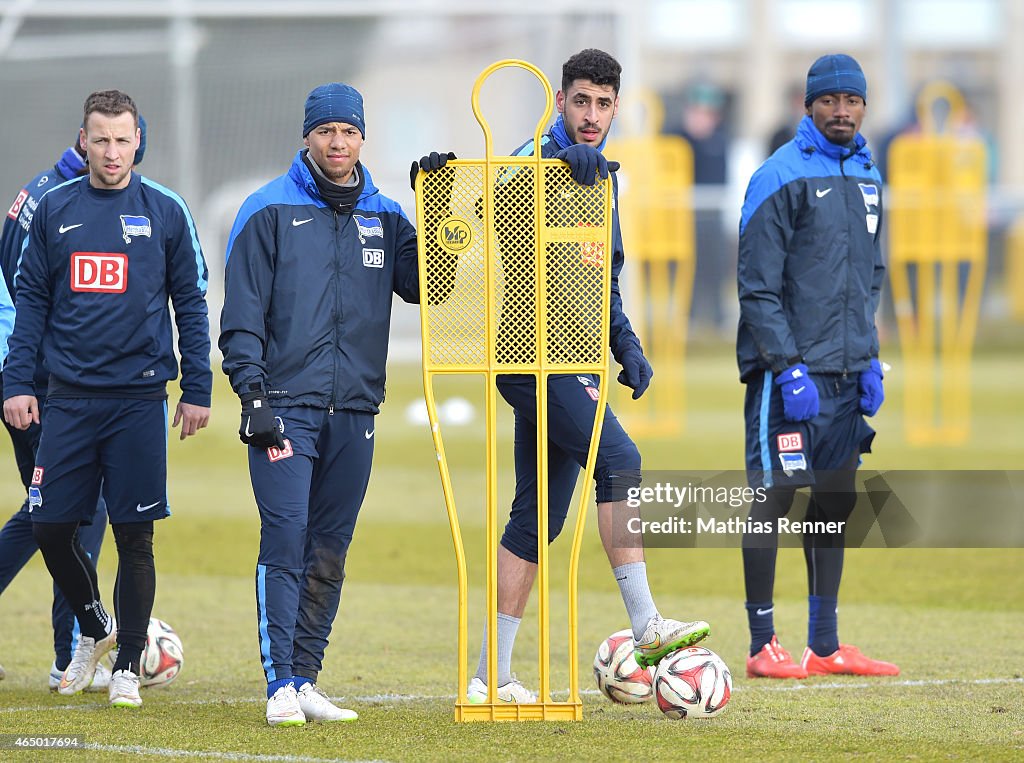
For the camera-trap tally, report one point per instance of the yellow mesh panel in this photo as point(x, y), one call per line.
point(559, 254)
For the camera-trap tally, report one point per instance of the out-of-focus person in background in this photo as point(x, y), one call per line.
point(786, 130)
point(706, 128)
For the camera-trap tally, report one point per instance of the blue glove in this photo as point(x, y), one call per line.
point(636, 372)
point(585, 162)
point(870, 385)
point(799, 395)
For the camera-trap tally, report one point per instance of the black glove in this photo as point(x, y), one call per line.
point(260, 427)
point(636, 372)
point(428, 163)
point(585, 161)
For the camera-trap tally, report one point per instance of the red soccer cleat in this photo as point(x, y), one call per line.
point(773, 662)
point(846, 660)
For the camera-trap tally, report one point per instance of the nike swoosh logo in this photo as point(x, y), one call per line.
point(248, 433)
point(651, 644)
point(766, 611)
point(140, 507)
point(297, 223)
point(798, 390)
point(65, 228)
point(821, 194)
point(369, 433)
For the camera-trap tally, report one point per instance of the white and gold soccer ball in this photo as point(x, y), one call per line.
point(618, 675)
point(692, 683)
point(163, 657)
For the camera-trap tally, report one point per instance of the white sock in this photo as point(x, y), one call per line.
point(508, 626)
point(636, 595)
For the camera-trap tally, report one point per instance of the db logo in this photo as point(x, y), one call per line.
point(37, 476)
point(373, 258)
point(16, 206)
point(99, 271)
point(277, 454)
point(791, 441)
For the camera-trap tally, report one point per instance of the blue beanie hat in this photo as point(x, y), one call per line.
point(836, 73)
point(141, 150)
point(334, 102)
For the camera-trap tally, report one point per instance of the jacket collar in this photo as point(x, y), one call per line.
point(809, 139)
point(302, 177)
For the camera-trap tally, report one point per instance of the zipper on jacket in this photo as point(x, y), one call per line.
point(849, 265)
point(337, 318)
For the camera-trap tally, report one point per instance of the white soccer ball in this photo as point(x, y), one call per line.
point(162, 658)
point(692, 683)
point(618, 676)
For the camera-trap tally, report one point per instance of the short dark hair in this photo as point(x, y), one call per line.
point(594, 65)
point(110, 103)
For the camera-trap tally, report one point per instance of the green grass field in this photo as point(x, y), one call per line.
point(953, 619)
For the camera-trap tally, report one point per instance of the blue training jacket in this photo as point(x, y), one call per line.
point(93, 284)
point(622, 337)
point(15, 231)
point(307, 303)
point(810, 267)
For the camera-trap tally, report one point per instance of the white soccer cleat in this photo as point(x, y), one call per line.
point(80, 671)
point(316, 706)
point(513, 691)
point(53, 681)
point(124, 689)
point(100, 679)
point(665, 636)
point(283, 708)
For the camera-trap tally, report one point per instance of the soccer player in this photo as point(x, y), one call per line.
point(810, 273)
point(17, 544)
point(587, 103)
point(104, 253)
point(312, 262)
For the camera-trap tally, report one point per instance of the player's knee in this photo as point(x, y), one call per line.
point(51, 536)
point(833, 506)
point(776, 504)
point(327, 560)
point(520, 542)
point(614, 484)
point(133, 539)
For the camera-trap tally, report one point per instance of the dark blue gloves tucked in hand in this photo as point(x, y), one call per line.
point(799, 395)
point(586, 162)
point(428, 163)
point(636, 372)
point(870, 385)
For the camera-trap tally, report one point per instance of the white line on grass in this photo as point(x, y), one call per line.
point(170, 752)
point(379, 698)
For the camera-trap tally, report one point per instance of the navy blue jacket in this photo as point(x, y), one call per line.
point(16, 228)
point(810, 267)
point(307, 302)
point(622, 337)
point(96, 272)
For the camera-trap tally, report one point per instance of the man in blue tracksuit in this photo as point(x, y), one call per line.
point(587, 102)
point(104, 253)
point(17, 545)
point(810, 274)
point(312, 262)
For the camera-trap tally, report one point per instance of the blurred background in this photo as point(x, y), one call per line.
point(222, 85)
